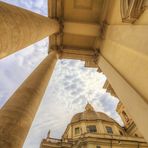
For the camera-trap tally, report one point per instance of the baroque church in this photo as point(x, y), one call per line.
point(91, 129)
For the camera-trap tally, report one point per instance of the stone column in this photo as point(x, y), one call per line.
point(20, 28)
point(124, 60)
point(125, 48)
point(17, 114)
point(134, 103)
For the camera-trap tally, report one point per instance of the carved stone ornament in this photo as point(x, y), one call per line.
point(131, 10)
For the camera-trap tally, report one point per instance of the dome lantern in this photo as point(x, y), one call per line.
point(89, 107)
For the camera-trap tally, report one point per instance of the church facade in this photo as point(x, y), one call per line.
point(91, 129)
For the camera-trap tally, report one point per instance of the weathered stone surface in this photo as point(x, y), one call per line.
point(17, 114)
point(20, 28)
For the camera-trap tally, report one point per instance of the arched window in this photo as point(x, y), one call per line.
point(125, 116)
point(109, 130)
point(91, 129)
point(121, 133)
point(77, 130)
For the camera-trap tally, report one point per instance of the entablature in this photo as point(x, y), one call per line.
point(81, 28)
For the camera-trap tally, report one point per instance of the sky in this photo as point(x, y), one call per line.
point(70, 88)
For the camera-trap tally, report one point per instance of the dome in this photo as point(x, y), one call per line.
point(90, 115)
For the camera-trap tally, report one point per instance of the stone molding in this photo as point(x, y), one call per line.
point(131, 10)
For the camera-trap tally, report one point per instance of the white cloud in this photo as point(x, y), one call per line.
point(60, 103)
point(37, 6)
point(15, 68)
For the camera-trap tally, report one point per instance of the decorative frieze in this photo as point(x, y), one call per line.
point(131, 10)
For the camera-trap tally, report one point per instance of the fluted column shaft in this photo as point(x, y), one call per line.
point(17, 114)
point(20, 28)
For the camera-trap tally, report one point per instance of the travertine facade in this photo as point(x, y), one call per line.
point(91, 129)
point(109, 34)
point(130, 126)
